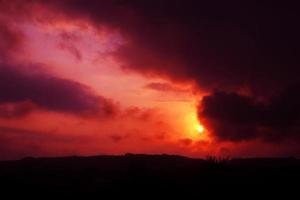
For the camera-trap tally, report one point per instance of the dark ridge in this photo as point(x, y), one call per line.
point(96, 174)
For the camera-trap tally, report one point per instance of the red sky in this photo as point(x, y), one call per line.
point(77, 80)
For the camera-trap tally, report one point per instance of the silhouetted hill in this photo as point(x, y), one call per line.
point(123, 173)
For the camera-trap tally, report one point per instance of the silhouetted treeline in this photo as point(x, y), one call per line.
point(134, 172)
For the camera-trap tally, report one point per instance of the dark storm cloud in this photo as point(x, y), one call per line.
point(48, 92)
point(221, 44)
point(217, 43)
point(233, 117)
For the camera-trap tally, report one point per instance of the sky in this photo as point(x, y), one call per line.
point(192, 78)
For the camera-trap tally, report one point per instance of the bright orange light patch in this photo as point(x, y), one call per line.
point(192, 126)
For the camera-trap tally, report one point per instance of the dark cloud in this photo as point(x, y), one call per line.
point(49, 92)
point(67, 43)
point(233, 117)
point(217, 43)
point(223, 44)
point(164, 87)
point(140, 114)
point(71, 49)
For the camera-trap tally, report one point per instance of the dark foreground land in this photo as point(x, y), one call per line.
point(135, 172)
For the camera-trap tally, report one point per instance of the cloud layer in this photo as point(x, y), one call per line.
point(244, 55)
point(49, 92)
point(218, 43)
point(224, 45)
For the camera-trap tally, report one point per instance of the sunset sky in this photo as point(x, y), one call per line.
point(193, 78)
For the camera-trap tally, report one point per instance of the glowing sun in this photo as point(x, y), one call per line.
point(200, 128)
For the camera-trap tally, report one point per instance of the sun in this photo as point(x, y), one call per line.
point(200, 129)
point(193, 128)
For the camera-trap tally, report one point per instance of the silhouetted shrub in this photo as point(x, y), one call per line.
point(216, 162)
